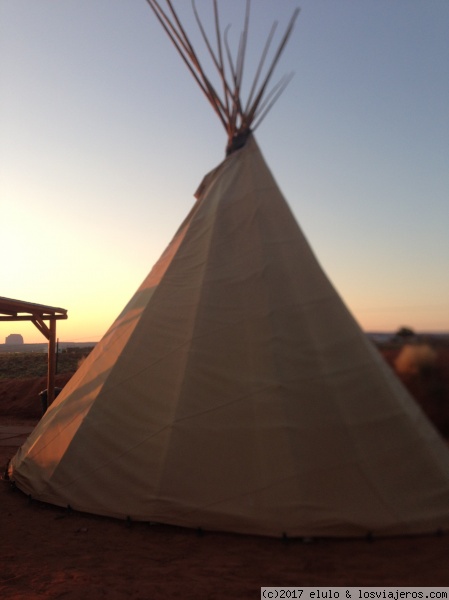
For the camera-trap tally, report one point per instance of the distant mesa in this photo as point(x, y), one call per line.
point(14, 339)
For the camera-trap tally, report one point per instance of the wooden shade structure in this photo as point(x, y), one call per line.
point(38, 314)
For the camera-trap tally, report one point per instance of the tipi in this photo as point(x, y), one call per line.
point(235, 391)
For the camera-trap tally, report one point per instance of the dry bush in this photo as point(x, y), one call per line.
point(415, 359)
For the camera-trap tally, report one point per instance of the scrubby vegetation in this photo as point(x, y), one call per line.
point(423, 367)
point(34, 364)
point(416, 359)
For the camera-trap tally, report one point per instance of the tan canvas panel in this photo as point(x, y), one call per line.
point(236, 392)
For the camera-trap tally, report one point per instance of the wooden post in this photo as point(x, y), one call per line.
point(51, 362)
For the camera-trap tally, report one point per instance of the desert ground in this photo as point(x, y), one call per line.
point(48, 553)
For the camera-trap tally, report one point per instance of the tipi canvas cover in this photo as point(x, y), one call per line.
point(236, 392)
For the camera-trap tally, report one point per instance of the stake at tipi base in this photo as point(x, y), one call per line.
point(236, 392)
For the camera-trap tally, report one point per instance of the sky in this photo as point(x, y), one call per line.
point(104, 137)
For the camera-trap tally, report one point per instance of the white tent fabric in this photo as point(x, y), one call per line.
point(236, 392)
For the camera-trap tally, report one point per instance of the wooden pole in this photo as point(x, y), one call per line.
point(51, 362)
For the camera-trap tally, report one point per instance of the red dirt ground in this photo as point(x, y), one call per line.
point(47, 553)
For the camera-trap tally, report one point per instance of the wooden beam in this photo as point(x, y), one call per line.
point(39, 323)
point(14, 318)
point(30, 317)
point(51, 362)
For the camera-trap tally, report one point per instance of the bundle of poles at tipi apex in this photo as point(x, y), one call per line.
point(235, 391)
point(237, 118)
